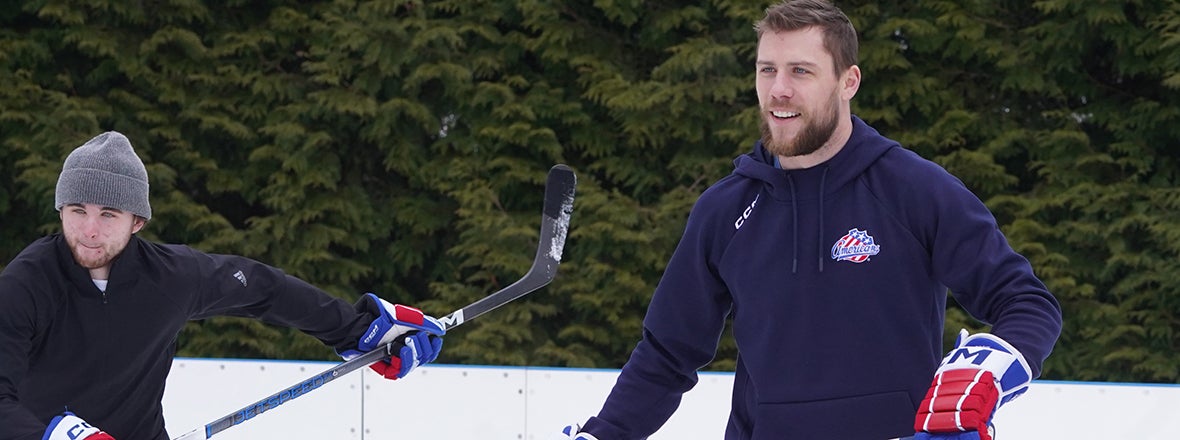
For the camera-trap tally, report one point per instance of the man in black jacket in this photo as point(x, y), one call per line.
point(89, 316)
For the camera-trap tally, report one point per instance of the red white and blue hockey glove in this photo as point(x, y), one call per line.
point(573, 432)
point(422, 343)
point(979, 375)
point(68, 426)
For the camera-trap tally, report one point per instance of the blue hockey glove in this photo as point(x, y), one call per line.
point(421, 344)
point(573, 432)
point(979, 375)
point(68, 426)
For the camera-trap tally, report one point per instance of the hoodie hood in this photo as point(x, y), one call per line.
point(865, 145)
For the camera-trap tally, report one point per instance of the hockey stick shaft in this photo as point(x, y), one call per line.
point(558, 205)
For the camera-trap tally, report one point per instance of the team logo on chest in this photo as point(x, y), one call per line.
point(856, 247)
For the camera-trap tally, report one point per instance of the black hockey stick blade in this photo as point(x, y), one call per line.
point(555, 218)
point(558, 205)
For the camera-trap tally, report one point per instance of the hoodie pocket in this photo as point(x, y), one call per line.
point(869, 417)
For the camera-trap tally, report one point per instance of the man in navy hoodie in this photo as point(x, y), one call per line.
point(833, 248)
point(89, 316)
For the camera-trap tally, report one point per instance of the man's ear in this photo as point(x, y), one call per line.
point(850, 82)
point(140, 222)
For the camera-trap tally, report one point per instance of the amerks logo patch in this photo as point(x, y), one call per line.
point(856, 247)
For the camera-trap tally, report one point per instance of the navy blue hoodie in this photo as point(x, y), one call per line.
point(106, 355)
point(836, 277)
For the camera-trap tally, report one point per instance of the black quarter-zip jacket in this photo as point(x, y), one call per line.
point(106, 356)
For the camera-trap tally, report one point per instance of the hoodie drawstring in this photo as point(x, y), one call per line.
point(822, 181)
point(795, 223)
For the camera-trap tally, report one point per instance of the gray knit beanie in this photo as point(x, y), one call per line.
point(105, 171)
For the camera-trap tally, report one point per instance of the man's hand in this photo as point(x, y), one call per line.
point(979, 375)
point(68, 426)
point(960, 402)
point(422, 338)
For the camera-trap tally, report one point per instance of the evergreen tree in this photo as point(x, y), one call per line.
point(400, 147)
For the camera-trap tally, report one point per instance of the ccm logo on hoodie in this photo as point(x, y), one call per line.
point(741, 220)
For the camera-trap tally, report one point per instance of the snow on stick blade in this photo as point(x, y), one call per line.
point(559, 205)
point(559, 191)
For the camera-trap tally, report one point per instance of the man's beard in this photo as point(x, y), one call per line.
point(90, 261)
point(810, 139)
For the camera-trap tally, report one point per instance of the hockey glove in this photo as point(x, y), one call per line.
point(68, 426)
point(421, 344)
point(572, 432)
point(979, 375)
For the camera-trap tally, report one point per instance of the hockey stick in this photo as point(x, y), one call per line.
point(558, 205)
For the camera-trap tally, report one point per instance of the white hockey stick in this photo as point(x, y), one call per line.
point(558, 205)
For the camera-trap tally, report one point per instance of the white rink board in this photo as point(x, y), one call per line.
point(519, 403)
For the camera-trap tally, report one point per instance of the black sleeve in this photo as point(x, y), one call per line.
point(238, 286)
